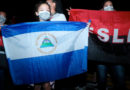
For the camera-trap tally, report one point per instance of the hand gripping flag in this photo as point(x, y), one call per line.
point(45, 51)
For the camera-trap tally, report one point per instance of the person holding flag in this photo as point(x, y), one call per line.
point(116, 70)
point(50, 13)
point(3, 61)
point(46, 11)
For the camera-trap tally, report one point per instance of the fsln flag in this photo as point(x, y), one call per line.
point(45, 51)
point(109, 37)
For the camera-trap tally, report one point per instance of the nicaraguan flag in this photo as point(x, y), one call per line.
point(45, 51)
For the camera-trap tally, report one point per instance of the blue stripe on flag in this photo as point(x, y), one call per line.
point(12, 30)
point(46, 68)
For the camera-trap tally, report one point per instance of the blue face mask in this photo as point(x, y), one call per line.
point(2, 19)
point(44, 15)
point(108, 8)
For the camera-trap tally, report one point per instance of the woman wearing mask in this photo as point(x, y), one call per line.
point(116, 70)
point(3, 63)
point(43, 13)
point(48, 13)
point(108, 6)
point(2, 18)
point(2, 22)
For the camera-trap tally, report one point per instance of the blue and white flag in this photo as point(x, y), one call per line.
point(45, 51)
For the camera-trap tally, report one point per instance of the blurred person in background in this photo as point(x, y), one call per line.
point(55, 14)
point(5, 79)
point(116, 70)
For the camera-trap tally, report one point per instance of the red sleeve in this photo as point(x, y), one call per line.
point(1, 41)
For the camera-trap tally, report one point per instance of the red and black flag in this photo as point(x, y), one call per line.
point(109, 37)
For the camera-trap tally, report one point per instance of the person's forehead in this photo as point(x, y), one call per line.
point(49, 0)
point(108, 2)
point(44, 6)
point(2, 13)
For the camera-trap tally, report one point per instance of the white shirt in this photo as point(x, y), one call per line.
point(58, 17)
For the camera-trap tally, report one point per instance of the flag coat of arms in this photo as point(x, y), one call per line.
point(45, 51)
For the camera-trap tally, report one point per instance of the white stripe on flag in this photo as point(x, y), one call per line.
point(25, 45)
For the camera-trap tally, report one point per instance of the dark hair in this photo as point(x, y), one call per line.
point(39, 4)
point(106, 1)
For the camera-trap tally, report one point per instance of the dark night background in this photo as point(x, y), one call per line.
point(23, 10)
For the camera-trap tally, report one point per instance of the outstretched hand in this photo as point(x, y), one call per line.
point(68, 10)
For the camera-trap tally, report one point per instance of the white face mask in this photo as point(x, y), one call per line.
point(108, 8)
point(44, 15)
point(2, 19)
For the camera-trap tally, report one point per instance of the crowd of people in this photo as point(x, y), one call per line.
point(49, 10)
